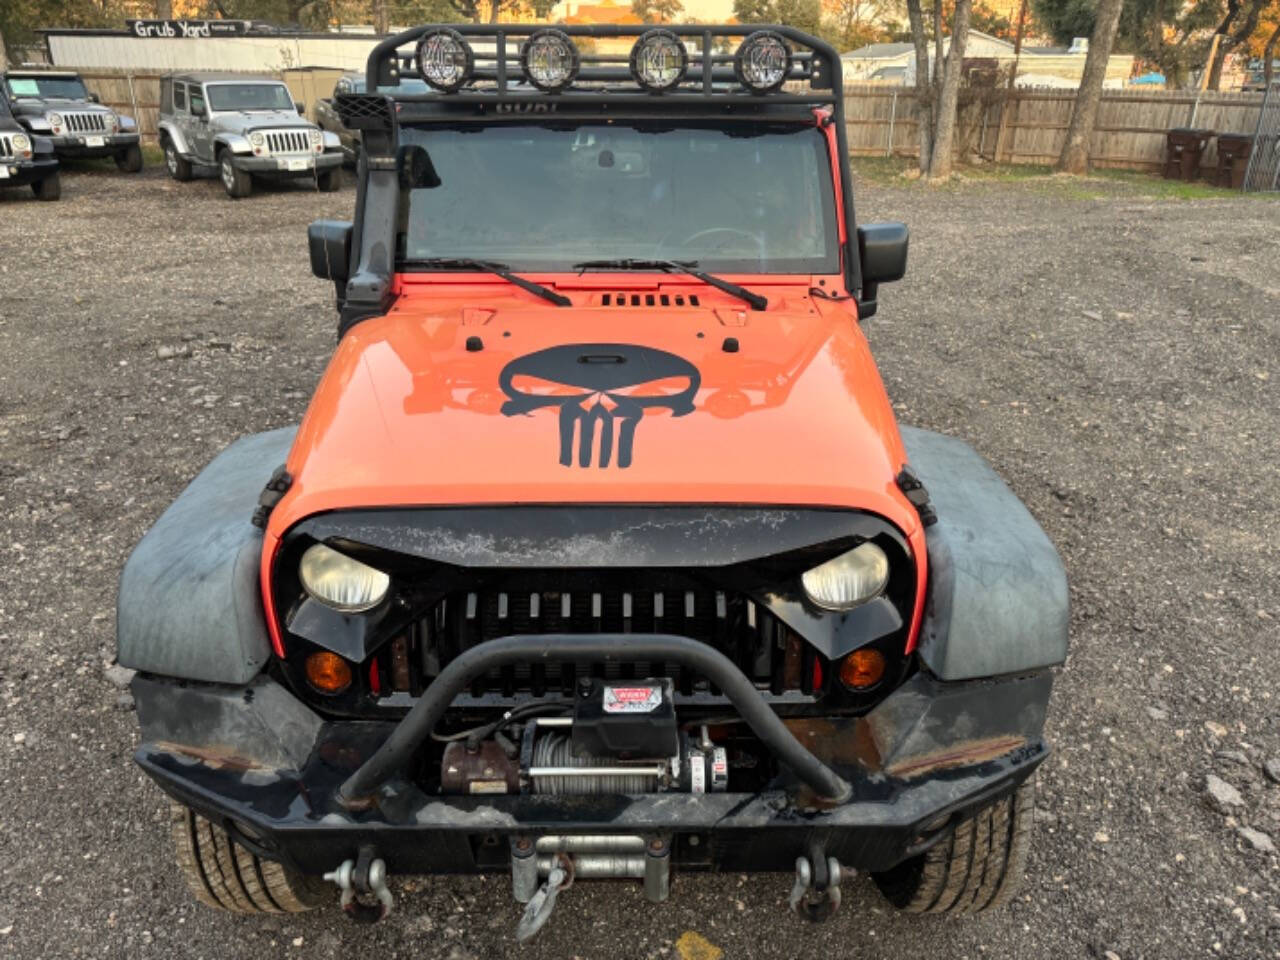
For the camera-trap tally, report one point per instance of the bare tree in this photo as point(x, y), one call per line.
point(924, 102)
point(949, 95)
point(1084, 112)
point(381, 22)
point(164, 9)
point(4, 57)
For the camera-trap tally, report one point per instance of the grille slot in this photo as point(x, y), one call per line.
point(6, 147)
point(775, 659)
point(85, 122)
point(288, 141)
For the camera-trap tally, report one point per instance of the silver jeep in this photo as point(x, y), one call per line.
point(242, 127)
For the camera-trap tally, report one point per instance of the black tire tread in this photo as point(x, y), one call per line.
point(226, 876)
point(978, 866)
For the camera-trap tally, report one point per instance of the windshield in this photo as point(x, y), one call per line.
point(53, 88)
point(355, 84)
point(746, 197)
point(249, 96)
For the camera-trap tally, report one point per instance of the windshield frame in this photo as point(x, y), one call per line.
point(45, 78)
point(828, 263)
point(212, 86)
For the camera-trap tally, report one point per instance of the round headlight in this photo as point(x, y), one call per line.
point(21, 143)
point(54, 118)
point(340, 582)
point(549, 60)
point(110, 122)
point(848, 580)
point(444, 59)
point(762, 62)
point(315, 136)
point(659, 60)
point(257, 139)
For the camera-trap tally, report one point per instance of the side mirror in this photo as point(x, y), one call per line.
point(302, 109)
point(94, 98)
point(330, 243)
point(198, 110)
point(882, 251)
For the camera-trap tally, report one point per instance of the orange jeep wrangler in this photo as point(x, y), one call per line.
point(598, 552)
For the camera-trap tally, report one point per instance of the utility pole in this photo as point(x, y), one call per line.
point(380, 24)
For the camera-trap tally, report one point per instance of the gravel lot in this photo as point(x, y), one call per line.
point(1117, 358)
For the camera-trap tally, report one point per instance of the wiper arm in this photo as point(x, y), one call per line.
point(690, 267)
point(500, 269)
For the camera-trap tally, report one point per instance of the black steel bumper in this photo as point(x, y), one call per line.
point(261, 763)
point(269, 167)
point(77, 146)
point(20, 173)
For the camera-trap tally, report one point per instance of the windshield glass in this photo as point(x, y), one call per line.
point(355, 84)
point(59, 88)
point(249, 96)
point(746, 197)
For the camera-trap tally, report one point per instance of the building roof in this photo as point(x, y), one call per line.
point(604, 12)
point(878, 51)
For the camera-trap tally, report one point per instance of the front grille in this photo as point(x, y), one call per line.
point(774, 657)
point(6, 147)
point(288, 141)
point(85, 122)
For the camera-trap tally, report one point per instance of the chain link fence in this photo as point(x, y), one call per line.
point(1264, 159)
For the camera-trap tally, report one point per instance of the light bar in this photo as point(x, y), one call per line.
point(445, 60)
point(763, 62)
point(549, 60)
point(659, 60)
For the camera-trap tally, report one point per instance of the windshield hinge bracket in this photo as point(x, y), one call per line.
point(914, 490)
point(279, 484)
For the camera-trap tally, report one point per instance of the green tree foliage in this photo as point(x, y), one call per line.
point(801, 14)
point(657, 11)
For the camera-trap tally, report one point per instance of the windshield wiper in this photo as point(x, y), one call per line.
point(488, 266)
point(690, 267)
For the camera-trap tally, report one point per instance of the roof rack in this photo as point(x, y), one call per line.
point(497, 73)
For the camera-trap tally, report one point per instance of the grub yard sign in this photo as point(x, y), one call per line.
point(188, 28)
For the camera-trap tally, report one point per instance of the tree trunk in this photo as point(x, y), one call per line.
point(924, 104)
point(945, 129)
point(4, 56)
point(1084, 113)
point(164, 9)
point(381, 23)
point(1268, 55)
point(937, 42)
point(494, 7)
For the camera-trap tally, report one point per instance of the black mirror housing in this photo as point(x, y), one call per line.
point(330, 244)
point(882, 251)
point(302, 109)
point(94, 98)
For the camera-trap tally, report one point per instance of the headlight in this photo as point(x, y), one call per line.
point(316, 136)
point(20, 143)
point(848, 580)
point(110, 121)
point(257, 139)
point(55, 119)
point(340, 582)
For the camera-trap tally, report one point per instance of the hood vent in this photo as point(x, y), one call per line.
point(649, 300)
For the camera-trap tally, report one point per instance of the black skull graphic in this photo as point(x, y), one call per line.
point(609, 380)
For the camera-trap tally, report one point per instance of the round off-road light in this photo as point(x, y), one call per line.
point(549, 60)
point(444, 60)
point(659, 60)
point(328, 672)
point(338, 581)
point(762, 62)
point(862, 669)
point(848, 580)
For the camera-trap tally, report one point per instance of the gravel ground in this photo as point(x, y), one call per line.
point(1116, 357)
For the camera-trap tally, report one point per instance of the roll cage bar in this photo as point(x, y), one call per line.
point(604, 87)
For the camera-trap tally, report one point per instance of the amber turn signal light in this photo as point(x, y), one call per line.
point(328, 672)
point(862, 669)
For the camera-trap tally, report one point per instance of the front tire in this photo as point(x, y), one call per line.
point(330, 181)
point(179, 168)
point(977, 867)
point(224, 875)
point(238, 183)
point(130, 159)
point(50, 188)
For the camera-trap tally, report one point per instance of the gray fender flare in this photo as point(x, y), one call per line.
point(167, 129)
point(997, 598)
point(233, 142)
point(190, 602)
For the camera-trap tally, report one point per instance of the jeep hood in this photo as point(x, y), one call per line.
point(521, 402)
point(246, 120)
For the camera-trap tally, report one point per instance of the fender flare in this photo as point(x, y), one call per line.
point(167, 129)
point(233, 142)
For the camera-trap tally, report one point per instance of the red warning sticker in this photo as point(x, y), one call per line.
point(632, 699)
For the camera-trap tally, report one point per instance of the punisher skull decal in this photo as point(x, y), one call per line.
point(597, 383)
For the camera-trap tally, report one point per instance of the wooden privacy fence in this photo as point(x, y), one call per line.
point(1029, 125)
point(137, 94)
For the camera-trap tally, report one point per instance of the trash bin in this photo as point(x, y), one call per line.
point(1233, 159)
point(1183, 149)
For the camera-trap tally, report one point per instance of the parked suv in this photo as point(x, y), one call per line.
point(241, 127)
point(328, 118)
point(25, 159)
point(57, 105)
point(599, 551)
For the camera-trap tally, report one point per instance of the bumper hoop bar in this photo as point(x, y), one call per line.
point(360, 788)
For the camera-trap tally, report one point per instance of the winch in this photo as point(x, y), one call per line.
point(622, 738)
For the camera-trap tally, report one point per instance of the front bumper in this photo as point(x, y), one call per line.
point(259, 762)
point(87, 146)
point(19, 173)
point(271, 166)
